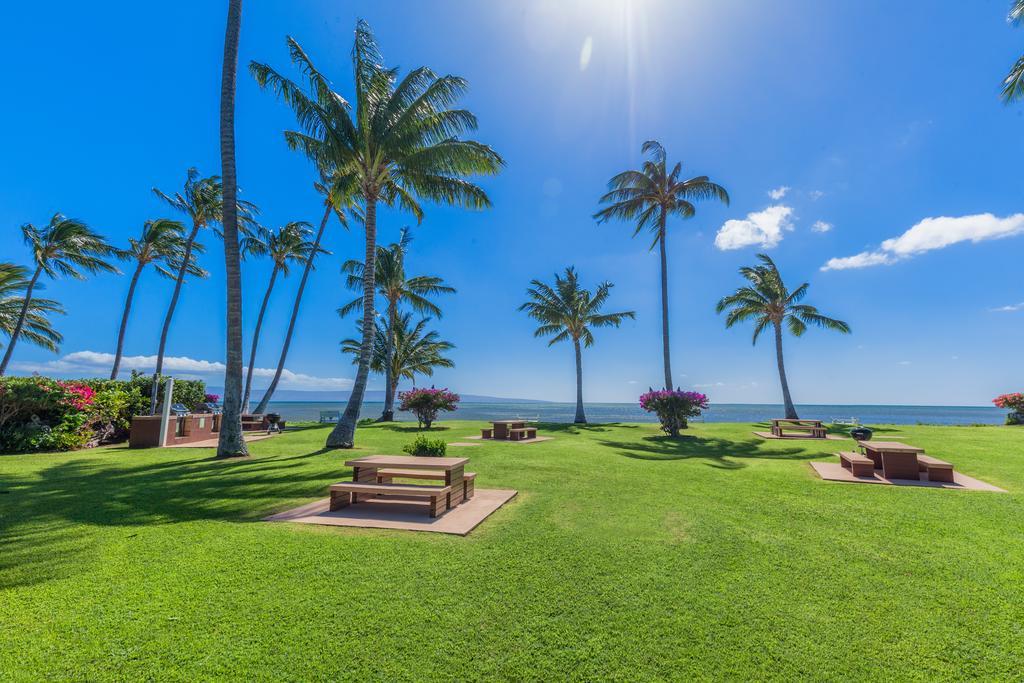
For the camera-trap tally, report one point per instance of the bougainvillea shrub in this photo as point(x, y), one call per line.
point(1015, 404)
point(674, 407)
point(425, 404)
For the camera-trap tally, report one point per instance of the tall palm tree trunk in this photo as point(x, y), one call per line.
point(256, 340)
point(124, 320)
point(664, 306)
point(344, 433)
point(231, 441)
point(21, 321)
point(580, 417)
point(295, 314)
point(787, 399)
point(170, 315)
point(390, 381)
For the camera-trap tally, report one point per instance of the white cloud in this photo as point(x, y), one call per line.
point(904, 362)
point(709, 385)
point(764, 228)
point(92, 362)
point(586, 52)
point(815, 195)
point(1009, 309)
point(779, 192)
point(933, 233)
point(821, 226)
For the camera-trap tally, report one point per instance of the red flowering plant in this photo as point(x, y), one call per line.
point(426, 403)
point(674, 407)
point(1015, 404)
point(212, 398)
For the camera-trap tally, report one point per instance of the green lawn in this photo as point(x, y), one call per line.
point(625, 556)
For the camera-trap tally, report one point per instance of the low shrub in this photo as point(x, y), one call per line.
point(674, 407)
point(43, 414)
point(1015, 404)
point(421, 445)
point(425, 404)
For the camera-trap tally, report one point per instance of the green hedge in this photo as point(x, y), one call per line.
point(43, 414)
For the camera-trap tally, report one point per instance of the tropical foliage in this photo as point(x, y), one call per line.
point(64, 247)
point(396, 289)
point(674, 407)
point(409, 350)
point(1015, 404)
point(401, 146)
point(162, 244)
point(425, 404)
point(648, 197)
point(768, 303)
point(1013, 84)
point(37, 328)
point(567, 312)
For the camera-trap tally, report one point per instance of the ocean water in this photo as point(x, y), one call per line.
point(297, 411)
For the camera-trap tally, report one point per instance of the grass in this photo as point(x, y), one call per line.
point(626, 556)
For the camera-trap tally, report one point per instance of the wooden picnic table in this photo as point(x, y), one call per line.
point(897, 460)
point(501, 427)
point(365, 470)
point(813, 426)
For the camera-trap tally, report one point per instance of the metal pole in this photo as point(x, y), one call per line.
point(165, 415)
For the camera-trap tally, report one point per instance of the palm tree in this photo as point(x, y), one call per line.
point(336, 197)
point(290, 243)
point(401, 146)
point(162, 244)
point(404, 353)
point(568, 311)
point(202, 200)
point(66, 246)
point(649, 197)
point(37, 328)
point(395, 288)
point(230, 441)
point(1013, 84)
point(767, 301)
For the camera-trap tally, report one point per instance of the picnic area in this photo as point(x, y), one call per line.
point(723, 556)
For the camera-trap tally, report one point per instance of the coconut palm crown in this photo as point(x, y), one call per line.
point(396, 289)
point(648, 197)
point(162, 245)
point(767, 302)
point(64, 247)
point(567, 312)
point(410, 349)
point(397, 142)
point(37, 328)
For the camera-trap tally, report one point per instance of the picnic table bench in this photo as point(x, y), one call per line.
point(859, 465)
point(937, 470)
point(348, 492)
point(386, 475)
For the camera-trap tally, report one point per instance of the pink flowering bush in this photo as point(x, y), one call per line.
point(212, 398)
point(674, 407)
point(426, 403)
point(1015, 404)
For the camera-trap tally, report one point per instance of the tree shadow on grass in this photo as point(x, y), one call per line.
point(38, 516)
point(399, 427)
point(719, 453)
point(572, 428)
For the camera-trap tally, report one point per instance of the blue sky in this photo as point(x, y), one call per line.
point(863, 120)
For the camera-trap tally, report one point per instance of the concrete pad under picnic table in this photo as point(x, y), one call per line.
point(833, 471)
point(394, 512)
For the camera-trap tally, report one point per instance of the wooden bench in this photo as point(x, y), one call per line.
point(348, 492)
point(859, 465)
point(522, 433)
point(384, 476)
point(938, 470)
point(487, 433)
